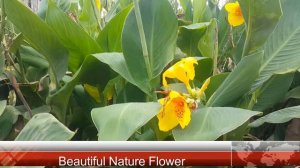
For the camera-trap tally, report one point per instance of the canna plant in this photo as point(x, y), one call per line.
point(150, 70)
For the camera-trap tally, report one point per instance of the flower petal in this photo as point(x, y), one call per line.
point(167, 119)
point(204, 86)
point(182, 112)
point(235, 20)
point(231, 7)
point(183, 70)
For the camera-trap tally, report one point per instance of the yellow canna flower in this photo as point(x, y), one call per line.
point(183, 71)
point(203, 88)
point(98, 4)
point(174, 111)
point(235, 15)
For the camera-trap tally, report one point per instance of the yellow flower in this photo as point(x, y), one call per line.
point(98, 4)
point(174, 111)
point(203, 88)
point(183, 71)
point(235, 15)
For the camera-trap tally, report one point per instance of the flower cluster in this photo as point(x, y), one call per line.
point(176, 107)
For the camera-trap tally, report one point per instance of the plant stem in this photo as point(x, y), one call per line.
point(215, 53)
point(143, 38)
point(3, 16)
point(144, 44)
point(96, 14)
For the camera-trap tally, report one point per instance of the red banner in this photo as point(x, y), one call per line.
point(137, 158)
point(252, 153)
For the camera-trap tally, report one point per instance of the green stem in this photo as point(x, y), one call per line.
point(215, 53)
point(3, 16)
point(143, 37)
point(96, 14)
point(144, 44)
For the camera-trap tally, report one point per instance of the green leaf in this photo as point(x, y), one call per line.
point(280, 116)
point(110, 37)
point(87, 18)
point(294, 93)
point(33, 58)
point(160, 28)
point(188, 9)
point(116, 61)
point(282, 51)
point(189, 36)
point(39, 35)
point(204, 69)
point(7, 120)
point(273, 91)
point(2, 106)
point(208, 44)
point(261, 18)
point(62, 4)
point(44, 127)
point(199, 7)
point(238, 82)
point(120, 121)
point(208, 124)
point(215, 83)
point(71, 36)
point(91, 65)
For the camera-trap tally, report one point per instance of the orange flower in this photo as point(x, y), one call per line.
point(235, 15)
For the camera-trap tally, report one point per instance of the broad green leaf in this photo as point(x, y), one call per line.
point(2, 106)
point(44, 127)
point(39, 35)
point(7, 120)
point(238, 82)
point(282, 50)
point(294, 93)
point(223, 27)
point(87, 18)
point(188, 9)
point(116, 61)
point(91, 65)
point(62, 4)
point(215, 83)
point(210, 123)
point(208, 44)
point(198, 9)
point(120, 121)
point(160, 28)
point(203, 70)
point(71, 35)
point(273, 91)
point(280, 116)
point(110, 37)
point(31, 57)
point(38, 110)
point(238, 133)
point(261, 18)
point(189, 36)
